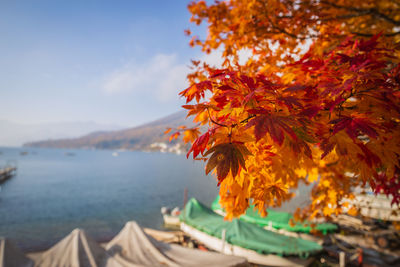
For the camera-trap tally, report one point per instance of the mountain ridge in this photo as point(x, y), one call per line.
point(148, 136)
point(16, 134)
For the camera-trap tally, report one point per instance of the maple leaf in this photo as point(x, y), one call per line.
point(226, 157)
point(199, 145)
point(388, 186)
point(190, 135)
point(174, 136)
point(340, 100)
point(310, 112)
point(220, 73)
point(248, 81)
point(225, 87)
point(294, 88)
point(369, 157)
point(272, 124)
point(196, 91)
point(290, 101)
point(195, 109)
point(354, 125)
point(326, 148)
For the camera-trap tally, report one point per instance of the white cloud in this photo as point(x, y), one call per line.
point(162, 75)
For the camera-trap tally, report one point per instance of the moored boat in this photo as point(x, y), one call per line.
point(171, 218)
point(244, 239)
point(133, 247)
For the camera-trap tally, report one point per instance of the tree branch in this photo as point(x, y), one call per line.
point(247, 119)
point(371, 11)
point(209, 115)
point(281, 30)
point(370, 34)
point(342, 17)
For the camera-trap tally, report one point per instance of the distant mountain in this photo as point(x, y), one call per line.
point(16, 134)
point(149, 136)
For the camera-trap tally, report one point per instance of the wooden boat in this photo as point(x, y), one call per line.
point(244, 239)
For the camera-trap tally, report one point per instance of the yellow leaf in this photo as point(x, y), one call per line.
point(353, 211)
point(313, 175)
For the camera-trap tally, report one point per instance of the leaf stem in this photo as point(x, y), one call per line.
point(213, 121)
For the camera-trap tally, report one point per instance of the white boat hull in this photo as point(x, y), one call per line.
point(171, 220)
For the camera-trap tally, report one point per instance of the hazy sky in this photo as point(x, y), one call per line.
point(120, 62)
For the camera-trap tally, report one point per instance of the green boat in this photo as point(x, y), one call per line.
point(241, 238)
point(277, 220)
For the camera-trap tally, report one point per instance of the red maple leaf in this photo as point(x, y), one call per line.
point(199, 145)
point(274, 125)
point(354, 126)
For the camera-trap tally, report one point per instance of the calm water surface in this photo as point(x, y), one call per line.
point(55, 192)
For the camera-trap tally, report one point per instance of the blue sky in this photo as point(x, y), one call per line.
point(120, 62)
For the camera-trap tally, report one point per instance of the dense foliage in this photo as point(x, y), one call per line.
point(317, 101)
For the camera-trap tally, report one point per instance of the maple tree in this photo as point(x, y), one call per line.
point(317, 101)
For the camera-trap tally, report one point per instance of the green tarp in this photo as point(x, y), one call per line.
point(278, 220)
point(245, 234)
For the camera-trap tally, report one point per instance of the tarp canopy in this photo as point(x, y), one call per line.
point(278, 220)
point(77, 250)
point(245, 234)
point(136, 247)
point(11, 256)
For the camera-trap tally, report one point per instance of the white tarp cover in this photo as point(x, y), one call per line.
point(11, 256)
point(139, 249)
point(76, 250)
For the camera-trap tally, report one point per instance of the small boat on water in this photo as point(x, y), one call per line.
point(171, 217)
point(279, 221)
point(244, 239)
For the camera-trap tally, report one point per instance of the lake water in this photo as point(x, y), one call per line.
point(58, 190)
